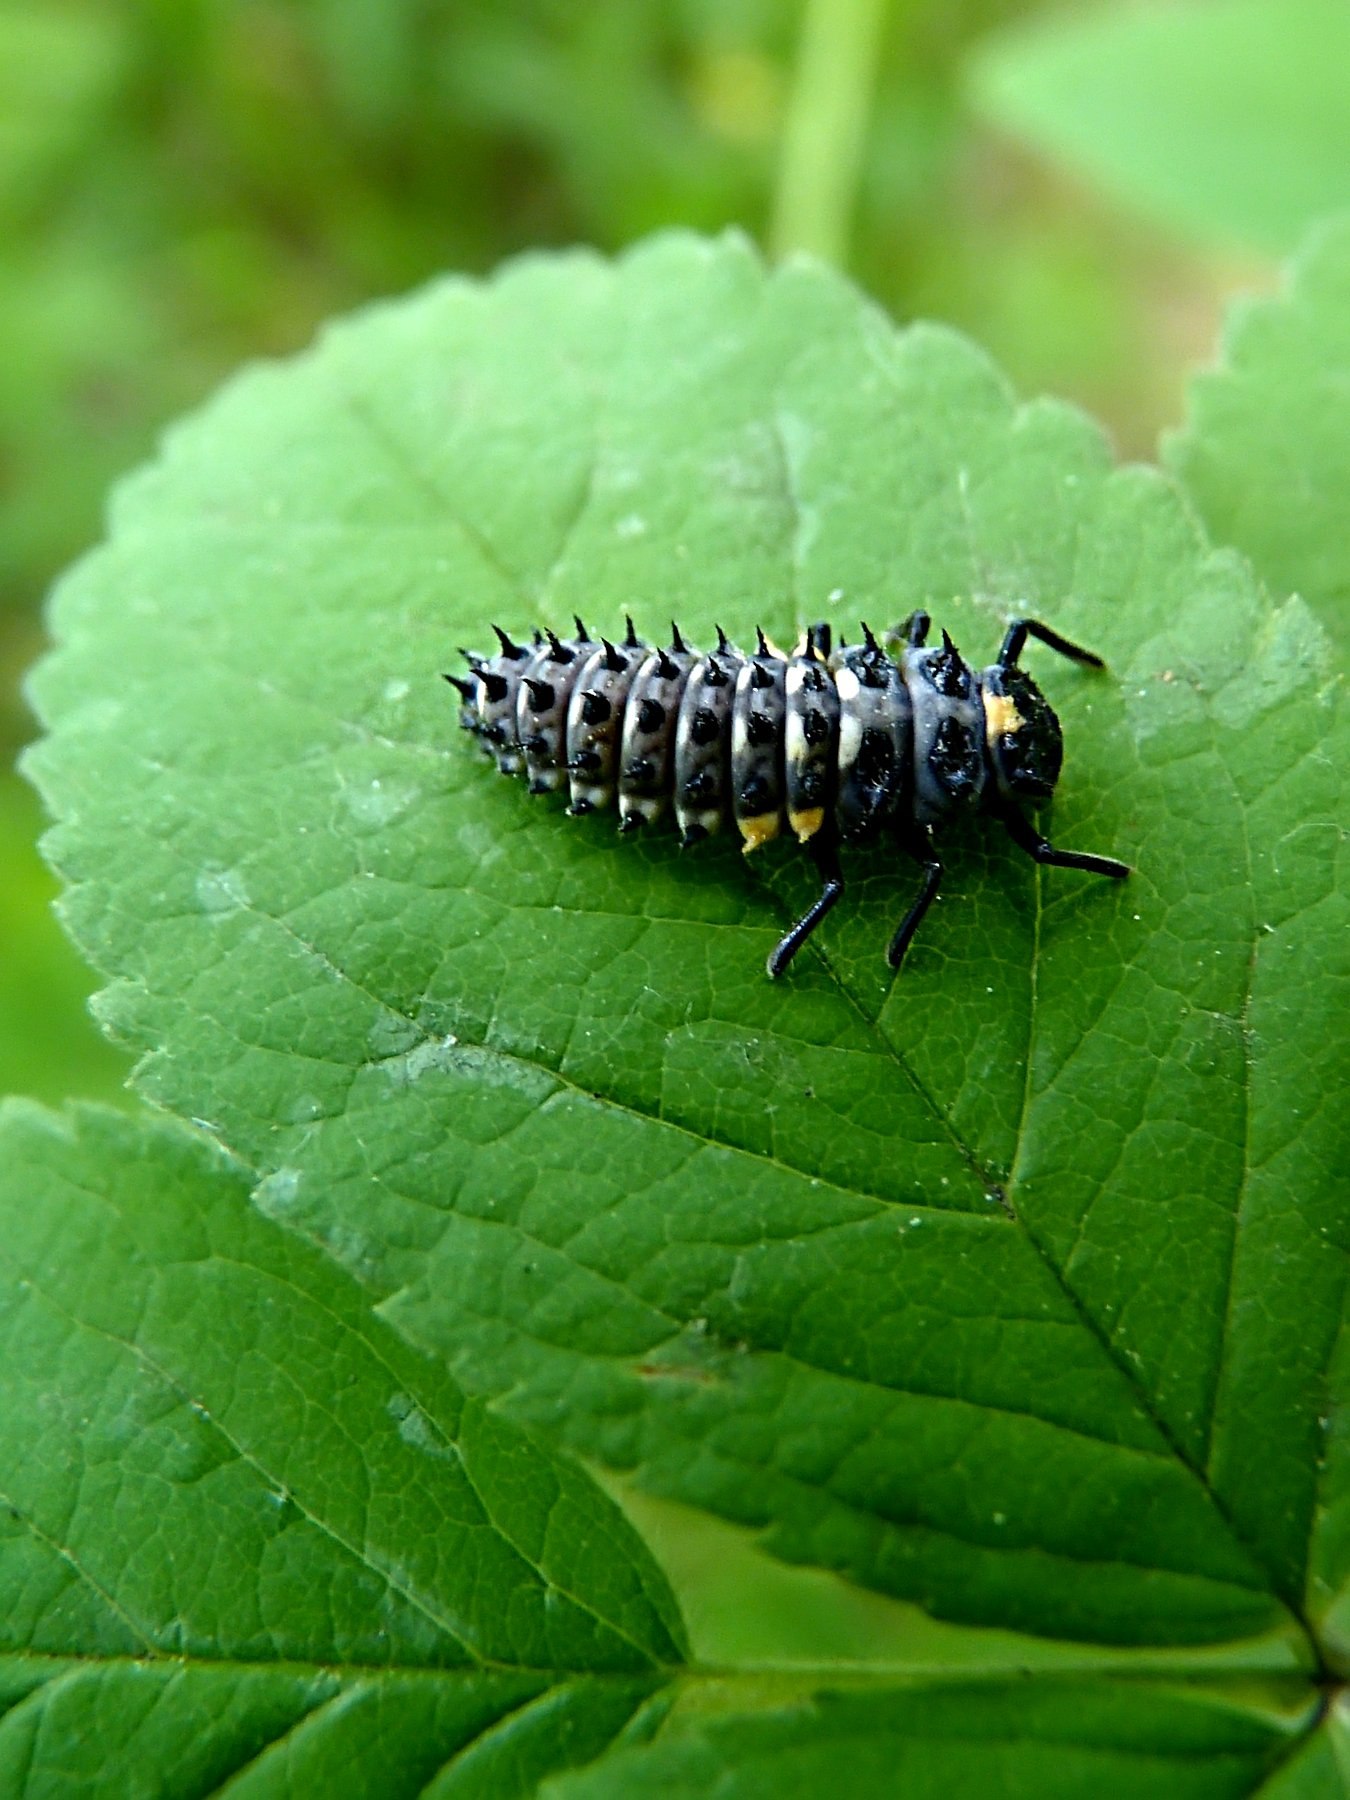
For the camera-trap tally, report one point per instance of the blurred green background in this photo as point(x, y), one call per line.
point(187, 183)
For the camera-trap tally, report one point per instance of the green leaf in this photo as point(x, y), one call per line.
point(1057, 1741)
point(1320, 1768)
point(243, 1527)
point(1265, 452)
point(1008, 1287)
point(1228, 121)
point(248, 1537)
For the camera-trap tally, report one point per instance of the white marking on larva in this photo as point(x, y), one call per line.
point(796, 675)
point(794, 739)
point(850, 725)
point(850, 738)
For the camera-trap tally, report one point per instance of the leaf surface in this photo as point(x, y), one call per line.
point(245, 1531)
point(1265, 452)
point(250, 1541)
point(966, 1285)
point(1060, 1741)
point(1228, 121)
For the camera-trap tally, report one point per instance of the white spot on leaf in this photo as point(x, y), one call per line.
point(221, 891)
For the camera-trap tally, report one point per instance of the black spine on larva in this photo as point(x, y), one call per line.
point(948, 732)
point(703, 745)
point(497, 680)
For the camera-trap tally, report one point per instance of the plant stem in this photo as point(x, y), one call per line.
point(826, 123)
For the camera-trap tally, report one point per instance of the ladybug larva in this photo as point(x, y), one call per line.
point(833, 744)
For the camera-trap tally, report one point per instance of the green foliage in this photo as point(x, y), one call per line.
point(1229, 120)
point(219, 175)
point(1060, 1742)
point(248, 1536)
point(185, 184)
point(242, 1525)
point(1266, 454)
point(1012, 1288)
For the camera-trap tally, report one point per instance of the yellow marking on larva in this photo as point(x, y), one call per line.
point(807, 824)
point(757, 830)
point(1001, 717)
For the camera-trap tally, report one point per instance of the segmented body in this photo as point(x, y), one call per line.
point(760, 743)
point(830, 744)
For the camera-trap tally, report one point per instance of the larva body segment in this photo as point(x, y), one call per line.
point(647, 747)
point(875, 732)
point(810, 743)
point(546, 686)
point(948, 729)
point(834, 746)
point(758, 772)
point(595, 723)
point(702, 786)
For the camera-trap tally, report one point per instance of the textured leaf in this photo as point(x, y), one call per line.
point(1229, 120)
point(1008, 1287)
point(1055, 1741)
point(244, 1530)
point(1266, 451)
point(248, 1537)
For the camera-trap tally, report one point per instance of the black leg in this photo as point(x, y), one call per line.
point(1019, 630)
point(824, 848)
point(915, 630)
point(920, 847)
point(1025, 835)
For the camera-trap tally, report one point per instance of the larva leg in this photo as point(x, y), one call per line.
point(1019, 630)
point(1024, 834)
point(824, 849)
point(918, 843)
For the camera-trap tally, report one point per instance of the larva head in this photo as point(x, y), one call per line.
point(1023, 743)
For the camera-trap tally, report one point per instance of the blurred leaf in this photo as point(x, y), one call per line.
point(1228, 120)
point(49, 1046)
point(1266, 450)
point(1009, 1287)
point(56, 65)
point(1320, 1768)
